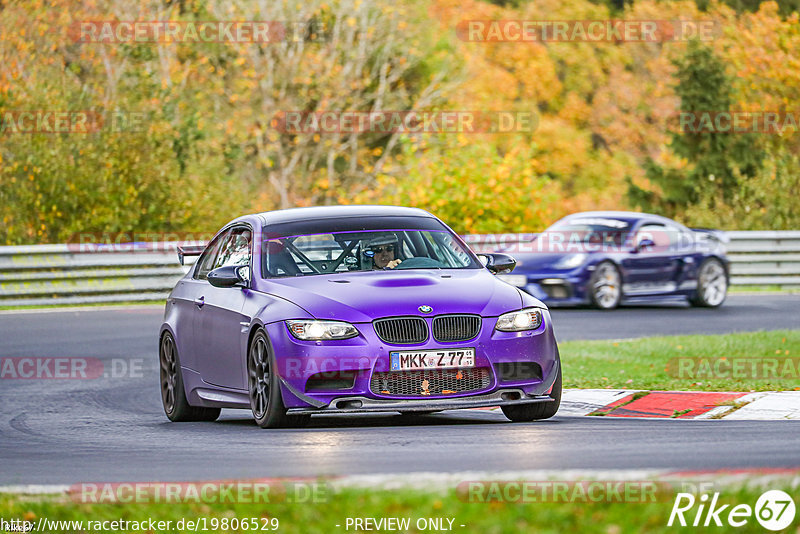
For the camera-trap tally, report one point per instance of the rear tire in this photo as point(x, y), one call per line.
point(263, 385)
point(524, 413)
point(605, 286)
point(712, 284)
point(173, 395)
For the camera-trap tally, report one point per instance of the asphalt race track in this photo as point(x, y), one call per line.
point(112, 428)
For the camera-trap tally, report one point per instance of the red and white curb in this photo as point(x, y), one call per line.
point(765, 405)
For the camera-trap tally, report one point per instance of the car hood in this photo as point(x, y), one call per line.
point(364, 296)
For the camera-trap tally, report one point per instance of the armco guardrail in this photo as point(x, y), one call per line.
point(74, 274)
point(64, 274)
point(765, 258)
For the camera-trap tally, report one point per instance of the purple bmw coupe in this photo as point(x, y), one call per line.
point(351, 309)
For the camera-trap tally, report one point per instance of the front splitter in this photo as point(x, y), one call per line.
point(360, 404)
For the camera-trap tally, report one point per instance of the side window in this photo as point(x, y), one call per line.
point(209, 257)
point(680, 239)
point(657, 233)
point(235, 250)
point(456, 256)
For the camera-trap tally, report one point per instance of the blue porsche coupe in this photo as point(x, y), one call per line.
point(606, 258)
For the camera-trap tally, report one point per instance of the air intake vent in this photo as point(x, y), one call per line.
point(331, 381)
point(435, 382)
point(518, 371)
point(402, 330)
point(456, 327)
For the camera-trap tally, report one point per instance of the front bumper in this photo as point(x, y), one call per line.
point(298, 361)
point(558, 287)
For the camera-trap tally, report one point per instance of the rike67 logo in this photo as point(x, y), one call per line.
point(774, 510)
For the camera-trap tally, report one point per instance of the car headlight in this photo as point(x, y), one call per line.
point(309, 330)
point(517, 321)
point(571, 261)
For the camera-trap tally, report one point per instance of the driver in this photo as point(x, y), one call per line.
point(383, 251)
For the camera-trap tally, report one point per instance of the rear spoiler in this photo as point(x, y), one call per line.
point(716, 235)
point(189, 250)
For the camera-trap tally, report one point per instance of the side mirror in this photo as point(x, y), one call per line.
point(228, 276)
point(644, 244)
point(498, 263)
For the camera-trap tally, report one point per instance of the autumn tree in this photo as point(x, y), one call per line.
point(718, 160)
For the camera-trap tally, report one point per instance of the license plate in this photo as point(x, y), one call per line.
point(432, 359)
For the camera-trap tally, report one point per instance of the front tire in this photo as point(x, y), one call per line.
point(173, 395)
point(712, 284)
point(525, 413)
point(263, 385)
point(605, 286)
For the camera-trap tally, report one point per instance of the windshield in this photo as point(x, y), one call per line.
point(368, 250)
point(595, 231)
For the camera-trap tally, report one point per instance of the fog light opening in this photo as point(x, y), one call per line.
point(510, 396)
point(348, 404)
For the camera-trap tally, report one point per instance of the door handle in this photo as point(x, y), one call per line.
point(200, 301)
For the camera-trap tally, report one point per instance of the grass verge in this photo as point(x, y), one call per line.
point(763, 289)
point(686, 363)
point(323, 517)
